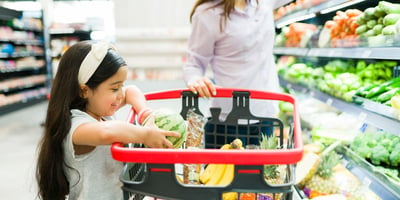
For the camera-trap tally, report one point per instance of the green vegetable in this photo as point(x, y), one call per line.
point(369, 33)
point(395, 156)
point(380, 20)
point(364, 151)
point(361, 29)
point(389, 30)
point(379, 12)
point(390, 173)
point(388, 95)
point(378, 29)
point(363, 91)
point(371, 24)
point(389, 7)
point(389, 63)
point(361, 19)
point(391, 19)
point(369, 13)
point(376, 91)
point(361, 64)
point(380, 155)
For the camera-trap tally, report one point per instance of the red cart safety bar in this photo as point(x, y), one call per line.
point(201, 156)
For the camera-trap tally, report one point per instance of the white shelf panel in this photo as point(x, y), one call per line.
point(152, 34)
point(146, 48)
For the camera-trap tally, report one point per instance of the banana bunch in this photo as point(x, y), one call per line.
point(220, 174)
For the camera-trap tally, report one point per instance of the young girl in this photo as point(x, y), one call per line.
point(74, 153)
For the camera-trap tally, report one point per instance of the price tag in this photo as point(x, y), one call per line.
point(362, 116)
point(366, 54)
point(331, 53)
point(329, 102)
point(366, 181)
point(312, 52)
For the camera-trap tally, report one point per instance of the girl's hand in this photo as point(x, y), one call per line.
point(203, 86)
point(156, 137)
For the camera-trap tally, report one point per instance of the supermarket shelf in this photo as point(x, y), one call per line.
point(381, 121)
point(7, 14)
point(389, 53)
point(291, 51)
point(156, 34)
point(14, 70)
point(374, 180)
point(322, 8)
point(22, 104)
point(84, 34)
point(23, 42)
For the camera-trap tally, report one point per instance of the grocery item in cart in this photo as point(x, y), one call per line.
point(171, 121)
point(194, 140)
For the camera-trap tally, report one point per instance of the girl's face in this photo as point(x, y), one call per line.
point(106, 99)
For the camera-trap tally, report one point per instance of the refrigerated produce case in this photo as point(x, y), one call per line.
point(368, 49)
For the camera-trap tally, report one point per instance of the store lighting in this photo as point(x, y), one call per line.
point(340, 6)
point(295, 19)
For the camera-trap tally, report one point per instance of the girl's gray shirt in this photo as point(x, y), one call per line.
point(94, 175)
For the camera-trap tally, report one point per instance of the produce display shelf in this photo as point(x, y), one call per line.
point(291, 51)
point(376, 181)
point(381, 121)
point(377, 107)
point(304, 14)
point(389, 53)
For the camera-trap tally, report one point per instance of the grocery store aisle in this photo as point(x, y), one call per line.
point(20, 132)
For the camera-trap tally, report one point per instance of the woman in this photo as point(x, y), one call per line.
point(235, 38)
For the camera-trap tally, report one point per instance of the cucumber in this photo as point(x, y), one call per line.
point(374, 92)
point(392, 82)
point(363, 91)
point(388, 95)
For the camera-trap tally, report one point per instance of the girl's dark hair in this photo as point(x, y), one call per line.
point(64, 96)
point(228, 5)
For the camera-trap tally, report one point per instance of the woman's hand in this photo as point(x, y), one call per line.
point(203, 87)
point(156, 137)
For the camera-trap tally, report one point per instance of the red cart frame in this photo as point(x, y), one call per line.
point(159, 163)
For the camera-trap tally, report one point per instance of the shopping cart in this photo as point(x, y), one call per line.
point(152, 172)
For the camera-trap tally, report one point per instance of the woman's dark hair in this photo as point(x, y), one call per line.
point(228, 5)
point(64, 96)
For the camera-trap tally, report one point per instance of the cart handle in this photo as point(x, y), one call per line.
point(201, 156)
point(222, 92)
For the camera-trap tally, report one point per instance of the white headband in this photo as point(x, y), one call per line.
point(92, 61)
